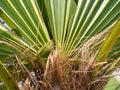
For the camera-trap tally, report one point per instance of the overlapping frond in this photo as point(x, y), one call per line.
point(71, 27)
point(27, 24)
point(70, 23)
point(88, 18)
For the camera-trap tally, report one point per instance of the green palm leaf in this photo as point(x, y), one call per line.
point(112, 38)
point(90, 18)
point(38, 25)
point(30, 25)
point(7, 78)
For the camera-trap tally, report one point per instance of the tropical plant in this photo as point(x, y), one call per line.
point(59, 44)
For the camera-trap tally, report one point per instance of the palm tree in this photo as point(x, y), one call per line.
point(59, 44)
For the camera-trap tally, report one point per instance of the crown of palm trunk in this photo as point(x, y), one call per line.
point(67, 40)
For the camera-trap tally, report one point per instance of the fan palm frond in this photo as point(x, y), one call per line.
point(62, 35)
